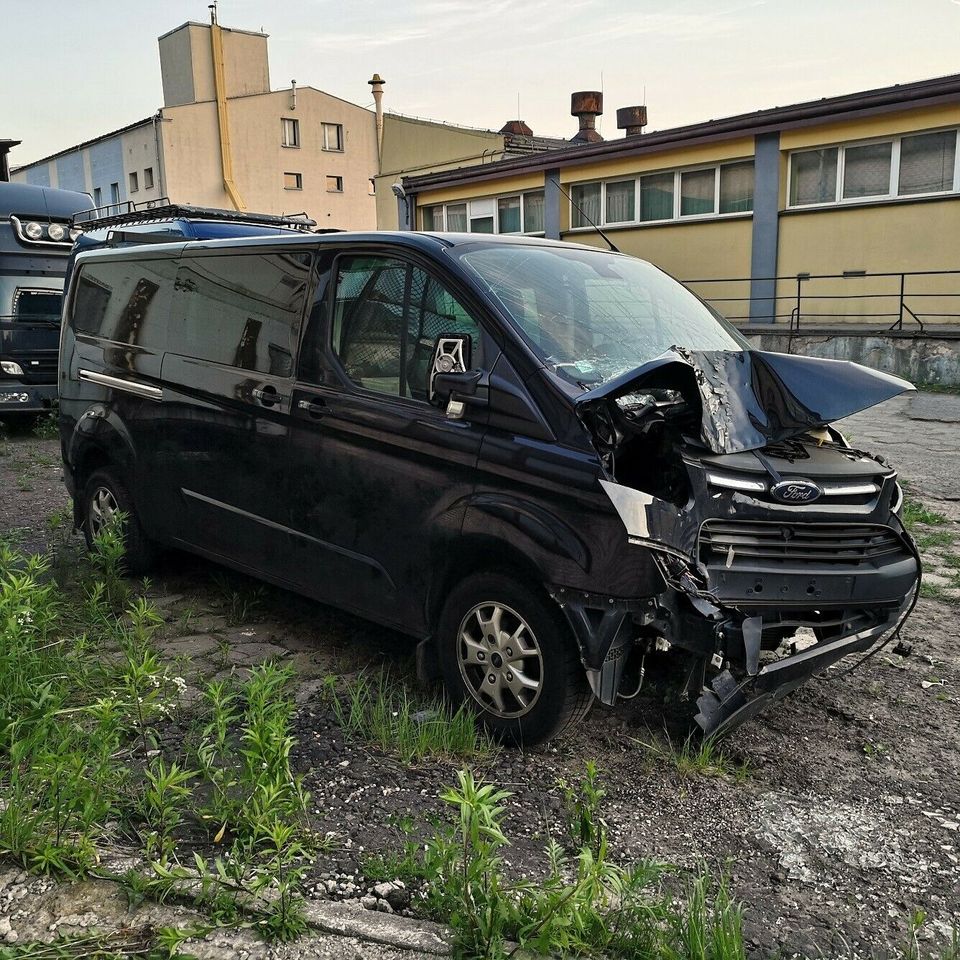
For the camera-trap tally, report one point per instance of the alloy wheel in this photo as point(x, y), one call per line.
point(103, 509)
point(500, 660)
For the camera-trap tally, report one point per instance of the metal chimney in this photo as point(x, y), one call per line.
point(376, 85)
point(587, 105)
point(632, 119)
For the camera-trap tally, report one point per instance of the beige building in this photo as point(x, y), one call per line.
point(224, 139)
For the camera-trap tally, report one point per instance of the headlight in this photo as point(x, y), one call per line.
point(11, 369)
point(57, 232)
point(74, 233)
point(33, 230)
point(897, 505)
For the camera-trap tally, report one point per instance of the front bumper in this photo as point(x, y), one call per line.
point(16, 397)
point(727, 702)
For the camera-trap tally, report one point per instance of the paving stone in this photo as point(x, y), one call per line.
point(251, 654)
point(192, 645)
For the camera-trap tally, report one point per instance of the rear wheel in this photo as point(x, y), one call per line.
point(105, 500)
point(506, 651)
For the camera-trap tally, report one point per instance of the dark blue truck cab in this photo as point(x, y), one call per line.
point(36, 237)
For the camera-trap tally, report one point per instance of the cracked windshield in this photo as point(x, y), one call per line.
point(593, 316)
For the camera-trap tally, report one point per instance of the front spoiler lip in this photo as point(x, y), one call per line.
point(727, 703)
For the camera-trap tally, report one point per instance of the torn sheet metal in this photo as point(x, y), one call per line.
point(752, 398)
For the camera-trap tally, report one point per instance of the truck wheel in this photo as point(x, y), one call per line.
point(105, 496)
point(506, 652)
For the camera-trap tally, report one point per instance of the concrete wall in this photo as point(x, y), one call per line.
point(413, 147)
point(186, 64)
point(191, 149)
point(931, 359)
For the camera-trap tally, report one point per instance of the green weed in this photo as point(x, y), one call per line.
point(934, 538)
point(697, 757)
point(380, 710)
point(914, 512)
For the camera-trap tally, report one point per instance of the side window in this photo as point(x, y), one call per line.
point(241, 310)
point(386, 319)
point(125, 301)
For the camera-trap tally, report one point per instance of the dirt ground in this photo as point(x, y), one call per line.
point(843, 817)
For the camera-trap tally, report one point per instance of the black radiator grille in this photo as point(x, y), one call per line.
point(750, 542)
point(37, 367)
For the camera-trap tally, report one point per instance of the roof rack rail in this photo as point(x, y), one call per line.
point(115, 214)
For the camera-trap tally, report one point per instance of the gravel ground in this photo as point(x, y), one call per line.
point(843, 820)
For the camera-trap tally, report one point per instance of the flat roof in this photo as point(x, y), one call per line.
point(846, 106)
point(199, 23)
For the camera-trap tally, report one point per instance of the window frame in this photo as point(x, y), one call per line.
point(338, 179)
point(298, 180)
point(133, 182)
point(148, 178)
point(676, 216)
point(496, 198)
point(294, 123)
point(893, 194)
point(324, 126)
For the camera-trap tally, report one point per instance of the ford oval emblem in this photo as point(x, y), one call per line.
point(796, 491)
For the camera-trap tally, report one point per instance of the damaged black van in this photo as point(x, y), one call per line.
point(542, 460)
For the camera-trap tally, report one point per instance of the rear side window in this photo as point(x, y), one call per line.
point(241, 310)
point(125, 301)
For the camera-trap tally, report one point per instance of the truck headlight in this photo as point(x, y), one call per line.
point(56, 232)
point(33, 230)
point(11, 369)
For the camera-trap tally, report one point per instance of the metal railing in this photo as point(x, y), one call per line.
point(884, 300)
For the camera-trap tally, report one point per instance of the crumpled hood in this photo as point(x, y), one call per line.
point(751, 398)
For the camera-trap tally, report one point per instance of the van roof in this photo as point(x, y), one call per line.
point(415, 240)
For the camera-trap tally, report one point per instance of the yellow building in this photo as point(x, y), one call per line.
point(820, 198)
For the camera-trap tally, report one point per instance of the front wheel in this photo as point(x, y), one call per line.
point(506, 651)
point(106, 501)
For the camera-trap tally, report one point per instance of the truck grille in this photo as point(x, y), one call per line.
point(38, 367)
point(755, 543)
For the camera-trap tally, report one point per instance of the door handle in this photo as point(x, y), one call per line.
point(316, 408)
point(267, 395)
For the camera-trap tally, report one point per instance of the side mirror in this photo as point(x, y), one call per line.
point(452, 382)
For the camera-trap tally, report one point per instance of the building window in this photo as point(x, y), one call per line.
point(334, 184)
point(533, 212)
point(134, 182)
point(508, 215)
point(620, 201)
point(866, 171)
point(333, 136)
point(586, 204)
point(656, 197)
point(928, 162)
point(456, 217)
point(481, 216)
point(148, 178)
point(293, 181)
point(289, 132)
point(516, 213)
point(697, 189)
point(736, 187)
point(373, 187)
point(433, 218)
point(114, 192)
point(97, 197)
point(908, 166)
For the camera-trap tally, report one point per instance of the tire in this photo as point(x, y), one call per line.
point(533, 633)
point(103, 494)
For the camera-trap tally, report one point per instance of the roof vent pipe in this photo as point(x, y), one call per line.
point(587, 105)
point(632, 119)
point(293, 95)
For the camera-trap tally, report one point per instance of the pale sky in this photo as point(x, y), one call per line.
point(75, 69)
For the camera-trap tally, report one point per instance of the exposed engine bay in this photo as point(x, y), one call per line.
point(779, 544)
